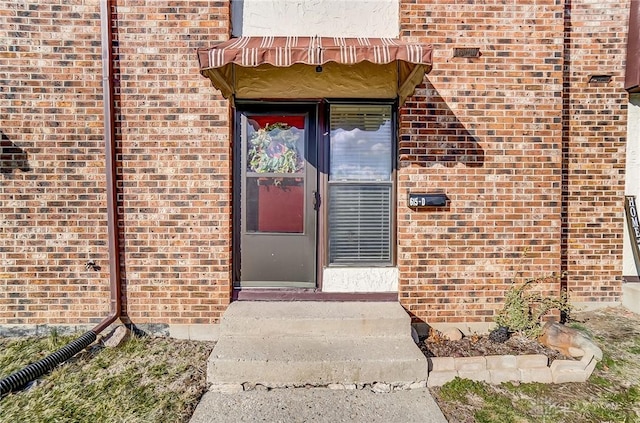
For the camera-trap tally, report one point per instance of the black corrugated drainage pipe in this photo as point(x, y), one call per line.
point(33, 371)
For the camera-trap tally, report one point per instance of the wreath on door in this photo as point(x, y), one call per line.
point(274, 149)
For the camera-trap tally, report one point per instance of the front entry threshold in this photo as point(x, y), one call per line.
point(266, 294)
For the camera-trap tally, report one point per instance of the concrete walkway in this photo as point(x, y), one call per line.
point(319, 405)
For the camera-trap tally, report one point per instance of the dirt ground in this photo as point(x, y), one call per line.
point(612, 394)
point(473, 346)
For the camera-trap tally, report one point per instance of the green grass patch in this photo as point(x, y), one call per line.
point(530, 389)
point(635, 348)
point(600, 381)
point(16, 353)
point(459, 389)
point(496, 406)
point(501, 409)
point(612, 393)
point(607, 362)
point(144, 380)
point(612, 407)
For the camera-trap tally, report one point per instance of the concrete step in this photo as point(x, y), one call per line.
point(317, 361)
point(303, 318)
point(631, 296)
point(315, 343)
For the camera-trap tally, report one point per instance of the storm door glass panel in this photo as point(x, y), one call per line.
point(275, 167)
point(360, 185)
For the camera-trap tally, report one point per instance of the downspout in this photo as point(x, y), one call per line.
point(33, 371)
point(110, 167)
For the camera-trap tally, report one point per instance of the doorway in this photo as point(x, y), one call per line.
point(314, 195)
point(277, 197)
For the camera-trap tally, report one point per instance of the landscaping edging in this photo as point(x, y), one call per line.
point(496, 369)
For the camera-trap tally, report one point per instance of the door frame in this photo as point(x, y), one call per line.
point(312, 108)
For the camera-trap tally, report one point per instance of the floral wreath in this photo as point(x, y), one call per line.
point(273, 149)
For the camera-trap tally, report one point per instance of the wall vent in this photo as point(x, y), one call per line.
point(466, 52)
point(599, 79)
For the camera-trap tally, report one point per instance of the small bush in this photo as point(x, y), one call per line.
point(524, 309)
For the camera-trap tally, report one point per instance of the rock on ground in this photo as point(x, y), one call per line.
point(568, 341)
point(118, 337)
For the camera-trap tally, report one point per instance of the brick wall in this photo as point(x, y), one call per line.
point(498, 134)
point(173, 158)
point(595, 125)
point(52, 208)
point(176, 178)
point(487, 132)
point(491, 132)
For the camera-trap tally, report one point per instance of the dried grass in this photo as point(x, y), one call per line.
point(145, 380)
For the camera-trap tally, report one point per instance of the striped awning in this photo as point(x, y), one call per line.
point(411, 61)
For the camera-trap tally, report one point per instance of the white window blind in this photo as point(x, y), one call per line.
point(360, 184)
point(359, 221)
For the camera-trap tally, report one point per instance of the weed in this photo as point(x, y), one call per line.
point(497, 415)
point(158, 369)
point(530, 389)
point(530, 401)
point(54, 339)
point(498, 408)
point(523, 310)
point(134, 346)
point(627, 397)
point(545, 411)
point(600, 381)
point(608, 363)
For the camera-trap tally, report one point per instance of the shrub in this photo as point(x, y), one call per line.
point(523, 309)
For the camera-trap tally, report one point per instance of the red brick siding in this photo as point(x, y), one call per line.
point(490, 132)
point(173, 158)
point(487, 131)
point(176, 178)
point(595, 141)
point(52, 208)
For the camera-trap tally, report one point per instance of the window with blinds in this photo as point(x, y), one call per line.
point(360, 184)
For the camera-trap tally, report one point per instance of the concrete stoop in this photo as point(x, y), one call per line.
point(631, 296)
point(286, 344)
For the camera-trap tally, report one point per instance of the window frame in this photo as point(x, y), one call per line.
point(324, 181)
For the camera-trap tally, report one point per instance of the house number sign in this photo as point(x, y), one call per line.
point(427, 200)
